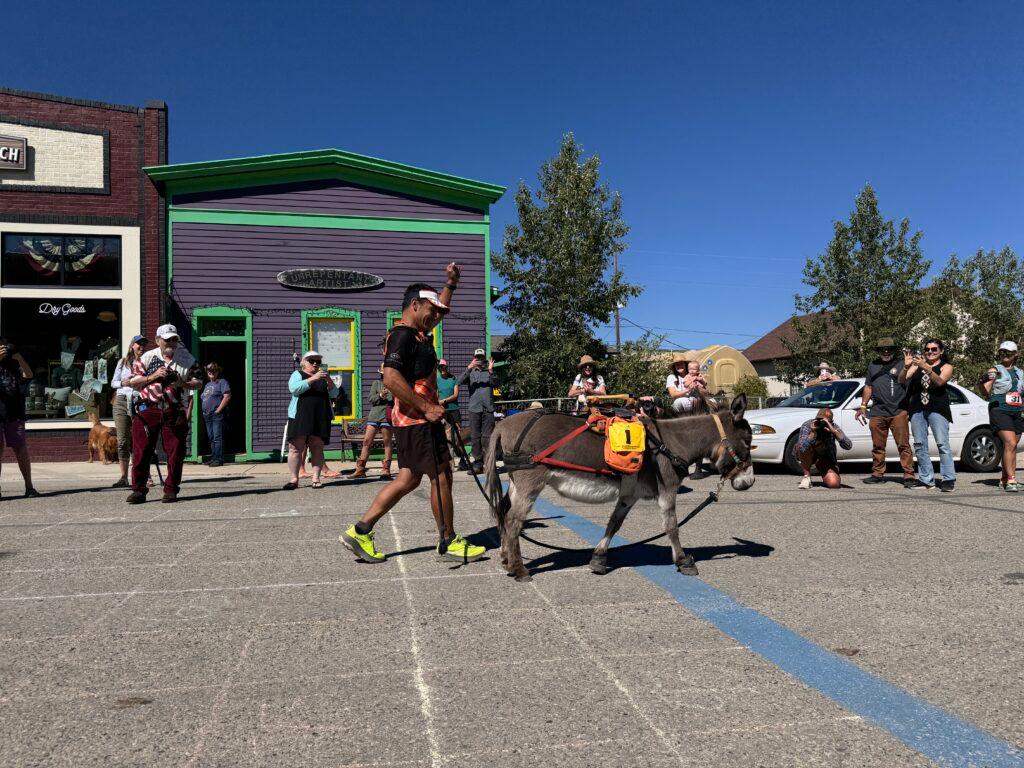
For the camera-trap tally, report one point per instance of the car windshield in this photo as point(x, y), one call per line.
point(830, 395)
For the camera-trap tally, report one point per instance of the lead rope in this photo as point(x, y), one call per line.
point(460, 451)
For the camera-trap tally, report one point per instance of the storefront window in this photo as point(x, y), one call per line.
point(335, 339)
point(44, 260)
point(72, 346)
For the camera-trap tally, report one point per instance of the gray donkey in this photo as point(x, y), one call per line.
point(672, 444)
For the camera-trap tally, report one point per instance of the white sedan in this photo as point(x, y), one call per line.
point(776, 429)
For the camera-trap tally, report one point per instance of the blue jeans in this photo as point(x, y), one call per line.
point(919, 423)
point(215, 433)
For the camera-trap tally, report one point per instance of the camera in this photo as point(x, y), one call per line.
point(170, 377)
point(649, 407)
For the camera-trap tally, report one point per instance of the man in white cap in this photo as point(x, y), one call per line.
point(478, 378)
point(417, 417)
point(162, 377)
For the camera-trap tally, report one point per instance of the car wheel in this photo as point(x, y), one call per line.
point(789, 460)
point(982, 451)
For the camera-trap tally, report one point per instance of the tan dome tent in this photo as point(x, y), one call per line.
point(722, 366)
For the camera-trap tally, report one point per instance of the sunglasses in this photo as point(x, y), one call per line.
point(932, 349)
point(883, 350)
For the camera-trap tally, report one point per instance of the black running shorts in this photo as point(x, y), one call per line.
point(422, 448)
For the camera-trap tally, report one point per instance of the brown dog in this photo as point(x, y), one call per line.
point(102, 440)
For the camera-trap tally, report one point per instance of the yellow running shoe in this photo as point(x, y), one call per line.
point(362, 545)
point(461, 550)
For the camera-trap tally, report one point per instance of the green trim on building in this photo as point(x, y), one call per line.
point(202, 312)
point(357, 350)
point(326, 221)
point(394, 315)
point(487, 291)
point(325, 163)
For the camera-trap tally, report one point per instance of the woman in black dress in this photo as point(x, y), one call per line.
point(309, 417)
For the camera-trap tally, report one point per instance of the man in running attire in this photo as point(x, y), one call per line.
point(410, 373)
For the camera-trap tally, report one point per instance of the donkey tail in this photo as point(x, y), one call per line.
point(496, 495)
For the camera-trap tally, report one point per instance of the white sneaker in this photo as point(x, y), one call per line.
point(805, 483)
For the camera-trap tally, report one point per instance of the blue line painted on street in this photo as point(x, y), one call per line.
point(936, 734)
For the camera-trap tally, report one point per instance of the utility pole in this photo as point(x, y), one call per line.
point(617, 347)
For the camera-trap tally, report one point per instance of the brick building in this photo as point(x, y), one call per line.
point(82, 249)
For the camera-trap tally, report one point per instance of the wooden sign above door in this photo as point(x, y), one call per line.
point(329, 279)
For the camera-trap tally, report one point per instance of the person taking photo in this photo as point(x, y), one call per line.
point(816, 448)
point(887, 412)
point(478, 377)
point(163, 377)
point(926, 377)
point(1004, 384)
point(410, 373)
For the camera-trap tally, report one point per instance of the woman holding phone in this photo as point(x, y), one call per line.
point(1004, 383)
point(926, 377)
point(309, 417)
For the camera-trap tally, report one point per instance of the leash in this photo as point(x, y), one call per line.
point(713, 496)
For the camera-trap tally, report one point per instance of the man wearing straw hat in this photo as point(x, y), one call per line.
point(587, 382)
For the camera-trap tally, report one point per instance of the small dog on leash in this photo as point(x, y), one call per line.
point(102, 441)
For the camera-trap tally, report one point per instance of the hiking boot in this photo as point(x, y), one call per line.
point(362, 545)
point(169, 497)
point(873, 480)
point(136, 497)
point(122, 483)
point(805, 484)
point(947, 486)
point(460, 550)
point(919, 486)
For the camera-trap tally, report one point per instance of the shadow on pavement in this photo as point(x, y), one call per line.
point(648, 554)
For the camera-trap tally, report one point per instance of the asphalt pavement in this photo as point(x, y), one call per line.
point(869, 626)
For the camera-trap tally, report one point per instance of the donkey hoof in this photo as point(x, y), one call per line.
point(599, 565)
point(523, 576)
point(687, 566)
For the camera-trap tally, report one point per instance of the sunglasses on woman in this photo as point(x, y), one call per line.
point(932, 349)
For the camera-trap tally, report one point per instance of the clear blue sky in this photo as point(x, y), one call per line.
point(736, 132)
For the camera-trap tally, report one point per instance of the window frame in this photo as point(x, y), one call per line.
point(62, 284)
point(354, 317)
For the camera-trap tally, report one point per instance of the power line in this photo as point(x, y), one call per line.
point(694, 330)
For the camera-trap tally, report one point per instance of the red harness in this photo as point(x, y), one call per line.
point(544, 457)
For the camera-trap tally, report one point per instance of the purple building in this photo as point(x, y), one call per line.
point(272, 255)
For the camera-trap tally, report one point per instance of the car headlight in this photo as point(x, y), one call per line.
point(762, 429)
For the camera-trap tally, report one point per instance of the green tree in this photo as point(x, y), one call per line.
point(556, 266)
point(638, 369)
point(754, 388)
point(972, 306)
point(865, 285)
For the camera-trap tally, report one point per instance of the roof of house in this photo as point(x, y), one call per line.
point(242, 170)
point(771, 346)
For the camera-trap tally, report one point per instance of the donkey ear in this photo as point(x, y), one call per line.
point(739, 407)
